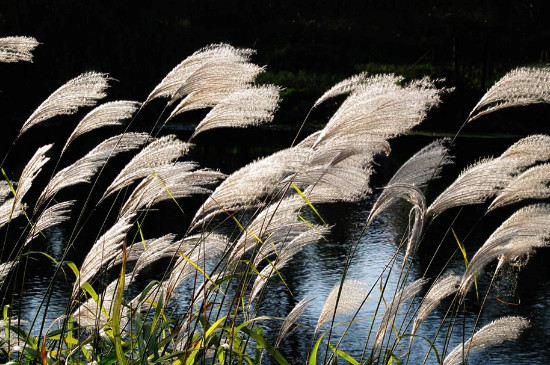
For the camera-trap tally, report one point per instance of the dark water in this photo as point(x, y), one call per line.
point(315, 271)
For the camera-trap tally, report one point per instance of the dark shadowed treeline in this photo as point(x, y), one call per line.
point(308, 45)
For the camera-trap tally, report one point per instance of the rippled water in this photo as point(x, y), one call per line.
point(315, 271)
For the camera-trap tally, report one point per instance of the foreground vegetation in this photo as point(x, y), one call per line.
point(205, 306)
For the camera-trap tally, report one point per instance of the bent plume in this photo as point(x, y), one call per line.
point(107, 114)
point(18, 48)
point(83, 90)
point(519, 87)
point(498, 331)
point(162, 151)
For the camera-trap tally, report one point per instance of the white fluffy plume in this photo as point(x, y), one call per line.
point(251, 105)
point(18, 48)
point(168, 87)
point(212, 83)
point(111, 113)
point(50, 217)
point(443, 287)
point(353, 294)
point(286, 250)
point(245, 187)
point(519, 87)
point(292, 318)
point(534, 183)
point(526, 229)
point(86, 167)
point(84, 90)
point(487, 177)
point(104, 250)
point(160, 152)
point(170, 182)
point(381, 107)
point(345, 86)
point(498, 331)
point(401, 297)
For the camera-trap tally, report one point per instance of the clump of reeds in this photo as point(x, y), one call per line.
point(275, 206)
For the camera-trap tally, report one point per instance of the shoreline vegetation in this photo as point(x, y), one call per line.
point(205, 306)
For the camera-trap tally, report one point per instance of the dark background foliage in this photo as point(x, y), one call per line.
point(307, 45)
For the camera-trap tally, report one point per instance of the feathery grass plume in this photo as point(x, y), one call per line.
point(414, 196)
point(381, 107)
point(278, 221)
point(245, 187)
point(285, 253)
point(334, 183)
point(168, 87)
point(251, 105)
point(203, 247)
point(528, 150)
point(9, 210)
point(526, 229)
point(50, 217)
point(352, 296)
point(18, 48)
point(533, 183)
point(212, 83)
point(292, 318)
point(83, 90)
point(519, 87)
point(162, 151)
point(309, 141)
point(274, 243)
point(104, 250)
point(188, 252)
point(29, 173)
point(86, 167)
point(170, 182)
point(5, 268)
point(93, 314)
point(444, 286)
point(417, 171)
point(498, 331)
point(4, 190)
point(152, 250)
point(424, 166)
point(400, 297)
point(475, 184)
point(350, 152)
point(487, 177)
point(345, 86)
point(111, 113)
point(336, 170)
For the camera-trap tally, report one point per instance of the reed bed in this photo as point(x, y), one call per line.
point(205, 305)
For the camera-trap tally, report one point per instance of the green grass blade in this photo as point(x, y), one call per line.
point(463, 250)
point(313, 355)
point(266, 345)
point(308, 202)
point(117, 306)
point(344, 355)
